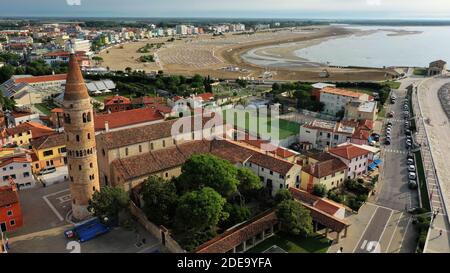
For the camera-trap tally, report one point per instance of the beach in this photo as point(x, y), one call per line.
point(228, 56)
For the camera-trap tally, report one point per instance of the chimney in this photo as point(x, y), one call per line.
point(106, 126)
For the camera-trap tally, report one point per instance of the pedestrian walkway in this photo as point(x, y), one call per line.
point(395, 151)
point(438, 239)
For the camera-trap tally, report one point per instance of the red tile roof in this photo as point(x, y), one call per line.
point(321, 204)
point(205, 96)
point(116, 100)
point(325, 168)
point(8, 197)
point(39, 79)
point(341, 92)
point(57, 110)
point(243, 232)
point(126, 118)
point(37, 129)
point(19, 159)
point(348, 151)
point(148, 100)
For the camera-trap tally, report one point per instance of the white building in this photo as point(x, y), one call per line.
point(355, 158)
point(322, 134)
point(15, 164)
point(181, 29)
point(79, 45)
point(335, 99)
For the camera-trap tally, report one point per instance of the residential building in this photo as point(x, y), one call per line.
point(15, 118)
point(317, 87)
point(10, 211)
point(321, 134)
point(117, 103)
point(355, 158)
point(323, 170)
point(324, 204)
point(50, 151)
point(22, 134)
point(438, 67)
point(15, 164)
point(335, 99)
point(63, 57)
point(361, 110)
point(79, 45)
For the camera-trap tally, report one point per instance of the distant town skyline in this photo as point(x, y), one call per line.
point(313, 9)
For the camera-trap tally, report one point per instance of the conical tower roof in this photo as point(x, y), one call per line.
point(75, 87)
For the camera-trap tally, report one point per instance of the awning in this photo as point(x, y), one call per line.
point(372, 166)
point(377, 161)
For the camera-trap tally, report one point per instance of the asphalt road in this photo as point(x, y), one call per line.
point(370, 240)
point(394, 192)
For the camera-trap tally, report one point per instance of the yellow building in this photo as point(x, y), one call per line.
point(23, 133)
point(50, 151)
point(329, 172)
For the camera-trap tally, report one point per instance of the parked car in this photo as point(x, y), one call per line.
point(412, 176)
point(387, 141)
point(411, 168)
point(87, 230)
point(408, 132)
point(375, 137)
point(410, 156)
point(412, 184)
point(391, 114)
point(410, 161)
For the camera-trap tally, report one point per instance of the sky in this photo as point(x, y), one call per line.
point(315, 9)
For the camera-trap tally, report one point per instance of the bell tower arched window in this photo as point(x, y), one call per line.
point(84, 118)
point(67, 118)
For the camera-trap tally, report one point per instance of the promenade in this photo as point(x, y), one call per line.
point(433, 129)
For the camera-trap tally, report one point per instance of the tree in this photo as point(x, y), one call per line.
point(320, 190)
point(6, 72)
point(249, 182)
point(160, 199)
point(209, 171)
point(276, 87)
point(109, 202)
point(237, 214)
point(295, 218)
point(200, 210)
point(128, 69)
point(282, 195)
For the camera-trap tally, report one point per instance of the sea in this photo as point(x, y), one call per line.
point(382, 48)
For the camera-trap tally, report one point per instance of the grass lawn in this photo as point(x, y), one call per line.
point(422, 182)
point(420, 72)
point(252, 124)
point(382, 113)
point(393, 84)
point(43, 108)
point(294, 244)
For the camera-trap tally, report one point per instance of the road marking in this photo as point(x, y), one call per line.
point(393, 234)
point(55, 211)
point(406, 231)
point(364, 231)
point(385, 226)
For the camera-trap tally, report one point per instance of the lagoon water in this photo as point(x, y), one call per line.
point(380, 49)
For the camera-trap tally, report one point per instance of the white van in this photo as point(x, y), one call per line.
point(47, 170)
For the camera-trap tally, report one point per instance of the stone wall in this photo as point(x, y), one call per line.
point(161, 233)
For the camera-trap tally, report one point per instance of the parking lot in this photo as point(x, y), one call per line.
point(45, 210)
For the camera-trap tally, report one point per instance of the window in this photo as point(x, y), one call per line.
point(103, 152)
point(62, 150)
point(36, 166)
point(164, 143)
point(167, 174)
point(89, 135)
point(12, 223)
point(67, 118)
point(271, 172)
point(79, 167)
point(126, 151)
point(151, 146)
point(78, 138)
point(4, 169)
point(281, 186)
point(11, 167)
point(26, 174)
point(93, 188)
point(140, 148)
point(89, 117)
point(24, 165)
point(91, 165)
point(84, 118)
point(9, 213)
point(71, 179)
point(336, 137)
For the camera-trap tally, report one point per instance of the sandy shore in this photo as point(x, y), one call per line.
point(214, 56)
